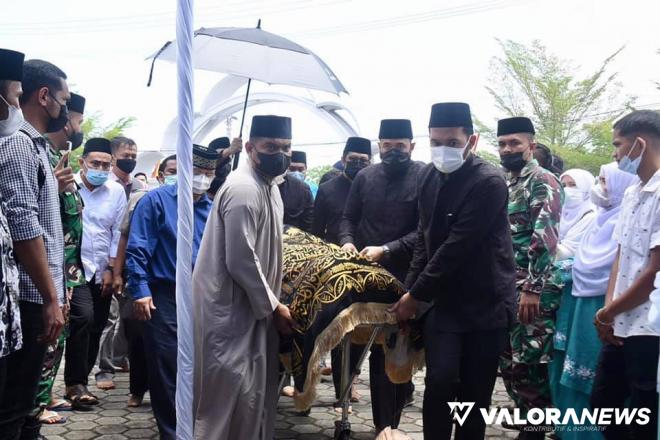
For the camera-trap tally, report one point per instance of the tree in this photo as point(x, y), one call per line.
point(93, 127)
point(572, 115)
point(315, 174)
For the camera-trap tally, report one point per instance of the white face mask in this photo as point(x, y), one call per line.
point(13, 122)
point(598, 196)
point(448, 159)
point(573, 196)
point(201, 183)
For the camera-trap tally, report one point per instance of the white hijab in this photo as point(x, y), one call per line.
point(596, 253)
point(577, 213)
point(574, 210)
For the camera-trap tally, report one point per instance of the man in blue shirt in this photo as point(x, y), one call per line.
point(151, 267)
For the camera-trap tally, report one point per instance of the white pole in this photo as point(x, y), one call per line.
point(184, 315)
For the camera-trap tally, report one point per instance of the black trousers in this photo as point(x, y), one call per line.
point(89, 313)
point(459, 367)
point(160, 342)
point(139, 376)
point(23, 371)
point(387, 399)
point(628, 374)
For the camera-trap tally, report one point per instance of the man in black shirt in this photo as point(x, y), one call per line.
point(380, 221)
point(331, 198)
point(298, 202)
point(463, 264)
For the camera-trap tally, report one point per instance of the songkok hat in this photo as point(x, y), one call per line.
point(219, 144)
point(76, 103)
point(97, 145)
point(271, 126)
point(357, 144)
point(299, 157)
point(515, 125)
point(451, 114)
point(11, 65)
point(205, 157)
point(395, 129)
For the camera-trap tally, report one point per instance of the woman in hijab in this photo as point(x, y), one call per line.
point(576, 343)
point(577, 212)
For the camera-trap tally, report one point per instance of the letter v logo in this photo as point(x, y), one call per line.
point(456, 408)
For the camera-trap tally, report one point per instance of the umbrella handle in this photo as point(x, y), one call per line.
point(153, 62)
point(247, 95)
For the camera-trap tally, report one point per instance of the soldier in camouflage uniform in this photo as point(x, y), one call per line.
point(71, 207)
point(535, 199)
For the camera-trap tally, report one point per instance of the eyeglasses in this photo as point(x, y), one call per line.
point(99, 165)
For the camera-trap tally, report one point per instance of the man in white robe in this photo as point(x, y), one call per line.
point(236, 288)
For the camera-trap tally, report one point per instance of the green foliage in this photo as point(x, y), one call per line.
point(489, 157)
point(572, 115)
point(93, 127)
point(315, 174)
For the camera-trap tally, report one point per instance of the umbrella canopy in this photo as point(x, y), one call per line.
point(256, 54)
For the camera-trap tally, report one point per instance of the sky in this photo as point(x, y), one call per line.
point(395, 58)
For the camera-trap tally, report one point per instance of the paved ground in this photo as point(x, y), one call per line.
point(112, 420)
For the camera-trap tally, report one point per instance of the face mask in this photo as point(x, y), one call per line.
point(126, 165)
point(13, 122)
point(169, 180)
point(58, 123)
point(395, 161)
point(573, 196)
point(298, 175)
point(273, 165)
point(200, 183)
point(631, 166)
point(598, 196)
point(447, 159)
point(514, 162)
point(96, 177)
point(353, 167)
point(76, 139)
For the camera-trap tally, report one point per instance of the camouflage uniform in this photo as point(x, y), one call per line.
point(535, 199)
point(71, 206)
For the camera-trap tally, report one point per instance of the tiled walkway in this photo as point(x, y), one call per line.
point(112, 420)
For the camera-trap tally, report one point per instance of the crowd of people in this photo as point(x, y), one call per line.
point(523, 270)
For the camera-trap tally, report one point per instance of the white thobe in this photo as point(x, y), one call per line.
point(236, 286)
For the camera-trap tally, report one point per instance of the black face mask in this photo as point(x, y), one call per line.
point(273, 165)
point(126, 165)
point(395, 161)
point(58, 123)
point(353, 167)
point(513, 162)
point(76, 139)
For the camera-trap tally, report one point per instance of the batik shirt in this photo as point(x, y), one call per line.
point(11, 338)
point(71, 206)
point(535, 200)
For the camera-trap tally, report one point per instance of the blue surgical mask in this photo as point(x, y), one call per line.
point(298, 175)
point(96, 177)
point(631, 166)
point(169, 180)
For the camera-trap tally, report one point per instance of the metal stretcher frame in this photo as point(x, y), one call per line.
point(343, 426)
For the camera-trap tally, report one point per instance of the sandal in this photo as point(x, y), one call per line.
point(60, 405)
point(49, 417)
point(81, 399)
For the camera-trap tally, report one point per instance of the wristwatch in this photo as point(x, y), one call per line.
point(386, 251)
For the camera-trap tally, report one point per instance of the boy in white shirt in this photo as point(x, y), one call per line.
point(628, 362)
